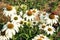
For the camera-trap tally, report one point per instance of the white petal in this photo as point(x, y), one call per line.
point(21, 13)
point(16, 28)
point(9, 33)
point(13, 31)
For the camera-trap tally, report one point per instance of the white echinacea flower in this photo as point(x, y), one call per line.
point(51, 19)
point(40, 37)
point(28, 16)
point(42, 26)
point(50, 30)
point(9, 10)
point(16, 18)
point(10, 28)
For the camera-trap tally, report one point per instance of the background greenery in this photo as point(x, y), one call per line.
point(48, 5)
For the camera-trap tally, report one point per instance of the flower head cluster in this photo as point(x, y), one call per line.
point(33, 17)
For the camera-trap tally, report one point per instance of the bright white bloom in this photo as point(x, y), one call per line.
point(10, 12)
point(4, 38)
point(16, 18)
point(10, 28)
point(28, 16)
point(51, 19)
point(40, 37)
point(50, 30)
point(42, 26)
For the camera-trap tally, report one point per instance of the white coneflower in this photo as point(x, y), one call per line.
point(11, 29)
point(42, 26)
point(51, 19)
point(28, 16)
point(40, 37)
point(50, 30)
point(9, 10)
point(16, 18)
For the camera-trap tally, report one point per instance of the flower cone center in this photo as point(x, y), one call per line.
point(21, 22)
point(43, 26)
point(10, 26)
point(9, 7)
point(51, 16)
point(15, 18)
point(49, 29)
point(29, 13)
